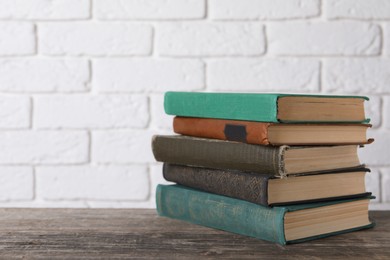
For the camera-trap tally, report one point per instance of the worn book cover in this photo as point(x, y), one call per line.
point(270, 133)
point(273, 160)
point(283, 225)
point(260, 188)
point(267, 107)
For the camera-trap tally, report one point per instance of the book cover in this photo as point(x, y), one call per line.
point(273, 160)
point(253, 187)
point(233, 215)
point(247, 106)
point(262, 133)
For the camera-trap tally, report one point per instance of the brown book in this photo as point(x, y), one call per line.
point(273, 160)
point(267, 190)
point(272, 133)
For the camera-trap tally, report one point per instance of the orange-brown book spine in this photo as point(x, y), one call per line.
point(241, 131)
point(231, 130)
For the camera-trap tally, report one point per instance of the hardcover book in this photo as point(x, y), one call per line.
point(275, 108)
point(277, 161)
point(267, 190)
point(283, 225)
point(270, 133)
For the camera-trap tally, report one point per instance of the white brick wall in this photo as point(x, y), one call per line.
point(95, 39)
point(17, 38)
point(27, 75)
point(20, 190)
point(149, 9)
point(82, 83)
point(371, 75)
point(14, 112)
point(270, 74)
point(90, 111)
point(122, 146)
point(125, 75)
point(357, 9)
point(343, 38)
point(30, 147)
point(44, 10)
point(263, 9)
point(210, 39)
point(104, 182)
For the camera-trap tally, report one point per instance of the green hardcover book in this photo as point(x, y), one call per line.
point(283, 225)
point(287, 108)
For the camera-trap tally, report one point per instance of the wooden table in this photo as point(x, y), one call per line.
point(129, 233)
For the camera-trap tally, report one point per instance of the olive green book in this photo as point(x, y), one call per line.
point(281, 161)
point(283, 225)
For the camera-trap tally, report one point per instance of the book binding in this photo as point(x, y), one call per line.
point(233, 215)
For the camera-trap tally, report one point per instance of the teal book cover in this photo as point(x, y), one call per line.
point(261, 107)
point(249, 219)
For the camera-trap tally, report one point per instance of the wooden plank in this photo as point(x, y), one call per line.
point(129, 233)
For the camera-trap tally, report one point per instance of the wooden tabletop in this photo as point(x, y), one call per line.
point(129, 233)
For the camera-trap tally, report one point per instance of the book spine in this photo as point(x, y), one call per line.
point(231, 130)
point(220, 212)
point(218, 154)
point(231, 183)
point(251, 107)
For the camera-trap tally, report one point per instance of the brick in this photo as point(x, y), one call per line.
point(92, 182)
point(149, 9)
point(16, 183)
point(113, 75)
point(359, 9)
point(96, 39)
point(263, 74)
point(263, 9)
point(386, 185)
point(90, 111)
point(44, 10)
point(210, 39)
point(14, 112)
point(122, 146)
point(159, 120)
point(377, 153)
point(156, 178)
point(379, 206)
point(44, 204)
point(324, 38)
point(373, 184)
point(386, 33)
point(43, 147)
point(373, 109)
point(371, 75)
point(16, 38)
point(386, 112)
point(43, 75)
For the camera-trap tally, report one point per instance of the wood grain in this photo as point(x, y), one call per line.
point(141, 234)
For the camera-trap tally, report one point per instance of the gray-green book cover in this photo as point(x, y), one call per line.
point(238, 216)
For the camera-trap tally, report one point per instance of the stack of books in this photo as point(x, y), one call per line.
point(279, 167)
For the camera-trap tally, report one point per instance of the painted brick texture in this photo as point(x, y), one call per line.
point(17, 38)
point(82, 83)
point(44, 75)
point(44, 10)
point(95, 39)
point(149, 9)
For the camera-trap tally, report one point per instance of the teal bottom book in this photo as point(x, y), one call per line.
point(283, 224)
